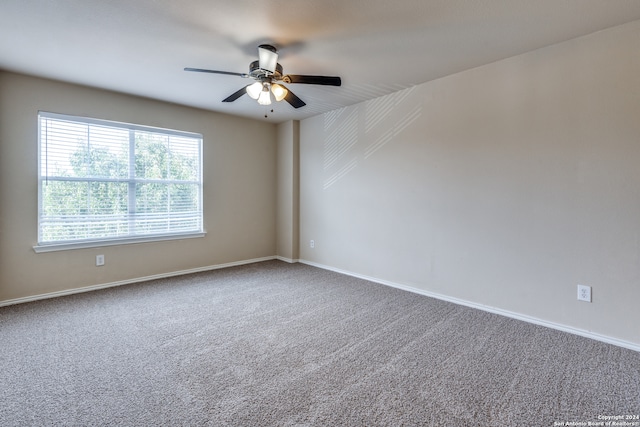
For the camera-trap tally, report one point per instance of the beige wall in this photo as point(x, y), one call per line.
point(239, 190)
point(505, 185)
point(288, 167)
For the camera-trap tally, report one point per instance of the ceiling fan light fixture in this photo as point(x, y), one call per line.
point(265, 96)
point(279, 92)
point(254, 90)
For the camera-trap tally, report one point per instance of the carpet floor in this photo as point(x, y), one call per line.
point(276, 344)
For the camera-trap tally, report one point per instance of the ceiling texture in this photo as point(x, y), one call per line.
point(141, 47)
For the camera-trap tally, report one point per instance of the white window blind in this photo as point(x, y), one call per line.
point(101, 181)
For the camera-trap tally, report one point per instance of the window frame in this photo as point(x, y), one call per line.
point(130, 180)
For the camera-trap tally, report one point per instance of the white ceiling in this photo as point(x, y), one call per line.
point(377, 46)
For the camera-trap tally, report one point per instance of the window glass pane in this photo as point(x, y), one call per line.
point(78, 210)
point(62, 139)
point(64, 198)
point(80, 150)
point(185, 159)
point(107, 153)
point(152, 213)
point(94, 186)
point(152, 197)
point(152, 156)
point(108, 198)
point(184, 198)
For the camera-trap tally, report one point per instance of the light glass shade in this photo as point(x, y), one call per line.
point(254, 90)
point(267, 59)
point(265, 96)
point(279, 92)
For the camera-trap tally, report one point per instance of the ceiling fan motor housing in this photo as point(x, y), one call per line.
point(259, 74)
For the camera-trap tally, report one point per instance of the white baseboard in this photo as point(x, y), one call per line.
point(289, 260)
point(581, 332)
point(518, 316)
point(130, 281)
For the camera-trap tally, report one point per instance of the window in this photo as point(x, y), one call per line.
point(103, 182)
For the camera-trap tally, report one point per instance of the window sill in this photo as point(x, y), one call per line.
point(115, 242)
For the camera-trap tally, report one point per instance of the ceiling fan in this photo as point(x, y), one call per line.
point(267, 74)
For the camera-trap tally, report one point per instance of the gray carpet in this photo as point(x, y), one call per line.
point(291, 345)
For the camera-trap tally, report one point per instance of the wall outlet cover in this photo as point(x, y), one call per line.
point(584, 293)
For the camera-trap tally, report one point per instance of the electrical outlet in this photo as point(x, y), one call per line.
point(584, 293)
point(99, 260)
point(312, 244)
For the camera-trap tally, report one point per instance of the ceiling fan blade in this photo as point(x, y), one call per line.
point(236, 95)
point(312, 80)
point(201, 70)
point(292, 99)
